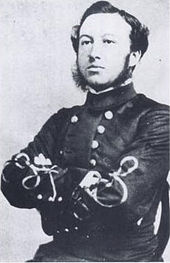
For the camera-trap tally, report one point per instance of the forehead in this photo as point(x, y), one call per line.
point(101, 24)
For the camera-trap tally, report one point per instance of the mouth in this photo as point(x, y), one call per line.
point(95, 67)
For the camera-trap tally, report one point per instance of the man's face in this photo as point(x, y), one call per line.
point(104, 46)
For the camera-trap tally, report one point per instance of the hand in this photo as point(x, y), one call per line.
point(83, 195)
point(42, 176)
point(92, 178)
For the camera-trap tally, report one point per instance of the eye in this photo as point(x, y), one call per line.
point(85, 42)
point(109, 41)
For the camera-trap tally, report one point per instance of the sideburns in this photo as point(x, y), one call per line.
point(78, 77)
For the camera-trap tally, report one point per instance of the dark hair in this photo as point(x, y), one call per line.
point(139, 33)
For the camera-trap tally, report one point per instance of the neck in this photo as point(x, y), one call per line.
point(93, 91)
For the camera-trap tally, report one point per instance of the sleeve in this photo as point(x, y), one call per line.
point(137, 175)
point(32, 174)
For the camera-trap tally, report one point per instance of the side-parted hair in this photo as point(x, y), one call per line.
point(139, 33)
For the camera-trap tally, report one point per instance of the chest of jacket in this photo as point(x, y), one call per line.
point(96, 139)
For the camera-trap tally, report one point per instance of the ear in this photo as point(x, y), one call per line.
point(134, 58)
point(74, 37)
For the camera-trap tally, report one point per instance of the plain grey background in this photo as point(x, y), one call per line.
point(36, 57)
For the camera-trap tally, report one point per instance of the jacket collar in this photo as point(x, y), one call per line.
point(113, 98)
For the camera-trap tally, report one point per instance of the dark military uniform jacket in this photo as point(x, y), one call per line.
point(104, 174)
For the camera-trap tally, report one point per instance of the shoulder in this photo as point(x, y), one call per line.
point(145, 108)
point(141, 109)
point(153, 115)
point(145, 115)
point(143, 103)
point(152, 107)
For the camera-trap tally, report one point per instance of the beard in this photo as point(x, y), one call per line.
point(82, 83)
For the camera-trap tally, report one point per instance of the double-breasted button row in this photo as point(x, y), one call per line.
point(100, 130)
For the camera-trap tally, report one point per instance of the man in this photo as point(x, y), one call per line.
point(97, 172)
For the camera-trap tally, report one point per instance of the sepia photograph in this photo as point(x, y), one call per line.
point(84, 141)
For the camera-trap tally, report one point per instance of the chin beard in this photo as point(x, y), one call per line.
point(82, 83)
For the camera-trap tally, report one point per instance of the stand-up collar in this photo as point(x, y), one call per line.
point(112, 98)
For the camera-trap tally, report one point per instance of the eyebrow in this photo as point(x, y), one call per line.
point(108, 34)
point(84, 35)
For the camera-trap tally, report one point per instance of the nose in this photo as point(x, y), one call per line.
point(95, 52)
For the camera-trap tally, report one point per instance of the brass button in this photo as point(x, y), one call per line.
point(39, 197)
point(50, 199)
point(101, 129)
point(108, 115)
point(93, 162)
point(74, 119)
point(60, 199)
point(95, 144)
